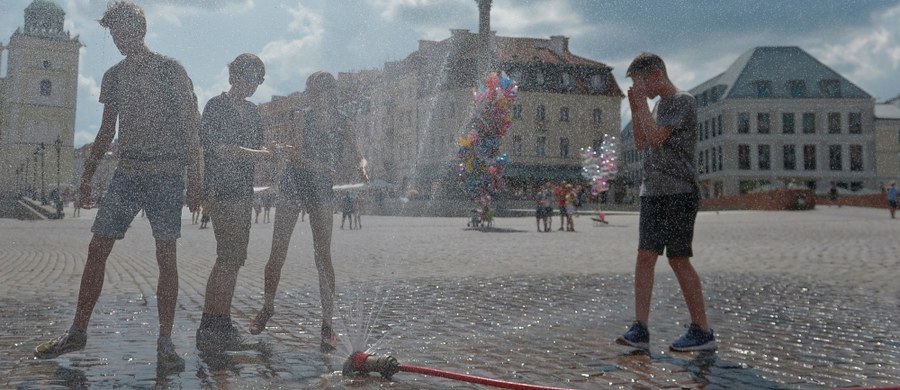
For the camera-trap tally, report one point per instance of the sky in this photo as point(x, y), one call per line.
point(698, 38)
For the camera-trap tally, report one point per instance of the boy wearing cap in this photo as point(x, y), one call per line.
point(669, 198)
point(231, 135)
point(152, 98)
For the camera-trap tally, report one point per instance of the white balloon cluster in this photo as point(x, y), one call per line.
point(599, 166)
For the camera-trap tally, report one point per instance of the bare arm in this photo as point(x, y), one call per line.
point(101, 145)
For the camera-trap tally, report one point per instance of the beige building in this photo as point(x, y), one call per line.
point(887, 141)
point(409, 115)
point(37, 103)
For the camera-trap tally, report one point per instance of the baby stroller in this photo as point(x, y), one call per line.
point(475, 220)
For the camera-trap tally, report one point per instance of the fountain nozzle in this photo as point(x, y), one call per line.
point(361, 363)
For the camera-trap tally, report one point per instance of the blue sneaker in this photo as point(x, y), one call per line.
point(637, 336)
point(695, 340)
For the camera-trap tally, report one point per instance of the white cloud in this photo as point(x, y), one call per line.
point(89, 85)
point(85, 137)
point(170, 13)
point(289, 58)
point(390, 8)
point(866, 55)
point(558, 17)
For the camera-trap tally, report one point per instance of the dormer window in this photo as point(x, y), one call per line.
point(797, 88)
point(566, 80)
point(763, 88)
point(830, 88)
point(539, 78)
point(598, 83)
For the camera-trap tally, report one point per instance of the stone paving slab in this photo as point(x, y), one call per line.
point(798, 300)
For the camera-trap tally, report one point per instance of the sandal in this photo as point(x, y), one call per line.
point(329, 339)
point(258, 324)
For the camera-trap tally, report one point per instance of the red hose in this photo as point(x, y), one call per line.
point(476, 379)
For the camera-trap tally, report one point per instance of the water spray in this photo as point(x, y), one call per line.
point(361, 363)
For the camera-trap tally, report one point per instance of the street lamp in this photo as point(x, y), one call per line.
point(43, 181)
point(58, 200)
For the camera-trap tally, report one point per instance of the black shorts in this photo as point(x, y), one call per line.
point(539, 212)
point(892, 204)
point(305, 188)
point(667, 222)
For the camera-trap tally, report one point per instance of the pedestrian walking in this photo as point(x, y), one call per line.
point(231, 135)
point(891, 193)
point(268, 201)
point(151, 97)
point(347, 209)
point(322, 149)
point(669, 198)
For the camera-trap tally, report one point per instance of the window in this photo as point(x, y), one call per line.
point(597, 145)
point(706, 161)
point(598, 83)
point(564, 147)
point(809, 157)
point(856, 158)
point(797, 88)
point(541, 149)
point(712, 125)
point(598, 115)
point(830, 88)
point(720, 158)
point(46, 88)
point(743, 123)
point(719, 124)
point(704, 98)
point(517, 111)
point(790, 158)
point(787, 123)
point(564, 114)
point(744, 157)
point(713, 159)
point(834, 158)
point(762, 123)
point(46, 64)
point(539, 78)
point(566, 80)
point(834, 123)
point(517, 145)
point(764, 156)
point(809, 123)
point(541, 113)
point(854, 122)
point(763, 88)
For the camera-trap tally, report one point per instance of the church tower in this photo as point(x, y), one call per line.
point(37, 103)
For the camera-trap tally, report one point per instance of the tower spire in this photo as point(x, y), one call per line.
point(484, 35)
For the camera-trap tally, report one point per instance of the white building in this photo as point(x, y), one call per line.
point(37, 102)
point(887, 141)
point(778, 116)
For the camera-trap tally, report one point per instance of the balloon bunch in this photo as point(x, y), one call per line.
point(482, 166)
point(599, 166)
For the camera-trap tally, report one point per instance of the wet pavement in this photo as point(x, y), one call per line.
point(797, 300)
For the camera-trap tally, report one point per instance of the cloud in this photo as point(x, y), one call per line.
point(89, 85)
point(554, 17)
point(391, 8)
point(289, 58)
point(866, 54)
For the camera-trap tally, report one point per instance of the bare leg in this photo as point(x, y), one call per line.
point(167, 287)
point(220, 288)
point(321, 219)
point(285, 220)
point(644, 272)
point(92, 279)
point(691, 288)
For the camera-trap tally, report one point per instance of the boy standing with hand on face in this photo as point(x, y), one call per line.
point(669, 198)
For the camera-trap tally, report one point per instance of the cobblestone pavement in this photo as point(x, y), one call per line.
point(797, 299)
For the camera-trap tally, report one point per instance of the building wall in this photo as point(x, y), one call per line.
point(732, 178)
point(38, 107)
point(887, 150)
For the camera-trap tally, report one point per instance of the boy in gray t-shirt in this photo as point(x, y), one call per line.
point(669, 199)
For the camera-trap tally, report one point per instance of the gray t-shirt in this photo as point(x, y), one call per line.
point(669, 168)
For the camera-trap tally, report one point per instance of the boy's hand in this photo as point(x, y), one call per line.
point(636, 94)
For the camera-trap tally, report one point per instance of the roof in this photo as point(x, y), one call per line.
point(887, 111)
point(781, 66)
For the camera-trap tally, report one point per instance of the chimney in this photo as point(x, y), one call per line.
point(559, 44)
point(484, 18)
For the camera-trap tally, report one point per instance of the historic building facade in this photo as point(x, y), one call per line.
point(887, 141)
point(409, 115)
point(37, 102)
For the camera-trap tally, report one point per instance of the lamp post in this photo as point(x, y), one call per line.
point(59, 198)
point(43, 181)
point(34, 173)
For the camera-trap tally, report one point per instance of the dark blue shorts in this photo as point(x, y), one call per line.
point(162, 197)
point(667, 223)
point(892, 204)
point(305, 188)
